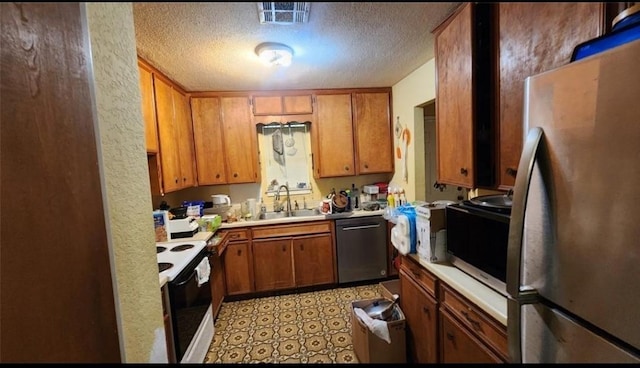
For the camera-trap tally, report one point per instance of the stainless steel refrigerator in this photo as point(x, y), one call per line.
point(573, 264)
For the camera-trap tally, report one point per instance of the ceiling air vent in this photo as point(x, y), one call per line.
point(283, 13)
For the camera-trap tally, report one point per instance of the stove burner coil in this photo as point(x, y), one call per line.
point(160, 249)
point(163, 266)
point(182, 247)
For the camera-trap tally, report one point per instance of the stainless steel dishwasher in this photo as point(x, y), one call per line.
point(362, 248)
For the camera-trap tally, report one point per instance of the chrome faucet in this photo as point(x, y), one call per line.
point(288, 197)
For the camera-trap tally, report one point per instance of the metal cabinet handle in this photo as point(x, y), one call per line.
point(464, 171)
point(346, 168)
point(217, 176)
point(511, 171)
point(235, 175)
point(450, 336)
point(239, 252)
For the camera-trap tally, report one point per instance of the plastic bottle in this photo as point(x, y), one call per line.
point(403, 199)
point(263, 208)
point(390, 198)
point(355, 197)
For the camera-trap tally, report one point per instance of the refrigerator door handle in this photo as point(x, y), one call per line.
point(519, 297)
point(516, 223)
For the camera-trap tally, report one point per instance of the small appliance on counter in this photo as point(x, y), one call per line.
point(182, 228)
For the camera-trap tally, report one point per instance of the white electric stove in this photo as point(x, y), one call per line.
point(174, 256)
point(183, 262)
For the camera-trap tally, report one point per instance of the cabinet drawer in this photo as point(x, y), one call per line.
point(423, 277)
point(489, 331)
point(306, 228)
point(236, 234)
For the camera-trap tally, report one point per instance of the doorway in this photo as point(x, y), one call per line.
point(446, 192)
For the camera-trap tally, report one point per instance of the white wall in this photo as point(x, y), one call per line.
point(414, 90)
point(125, 183)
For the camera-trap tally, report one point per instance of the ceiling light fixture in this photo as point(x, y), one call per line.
point(273, 53)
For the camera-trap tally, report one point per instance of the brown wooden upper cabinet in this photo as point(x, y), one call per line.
point(175, 135)
point(463, 112)
point(533, 38)
point(484, 53)
point(282, 105)
point(240, 140)
point(148, 108)
point(352, 133)
point(372, 126)
point(208, 139)
point(334, 153)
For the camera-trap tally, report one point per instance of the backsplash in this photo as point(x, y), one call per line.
point(241, 192)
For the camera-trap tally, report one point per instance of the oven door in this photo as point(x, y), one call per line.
point(189, 303)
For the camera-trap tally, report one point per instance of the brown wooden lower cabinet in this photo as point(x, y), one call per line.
point(238, 267)
point(420, 311)
point(442, 325)
point(313, 260)
point(458, 345)
point(272, 266)
point(218, 287)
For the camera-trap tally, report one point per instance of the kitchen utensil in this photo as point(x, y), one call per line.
point(276, 142)
point(179, 212)
point(339, 202)
point(381, 309)
point(290, 141)
point(222, 199)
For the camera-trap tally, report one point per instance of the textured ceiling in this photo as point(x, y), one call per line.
point(210, 46)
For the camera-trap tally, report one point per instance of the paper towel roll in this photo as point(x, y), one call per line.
point(403, 225)
point(401, 242)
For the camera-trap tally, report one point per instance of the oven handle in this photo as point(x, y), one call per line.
point(192, 276)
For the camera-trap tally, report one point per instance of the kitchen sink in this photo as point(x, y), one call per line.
point(306, 212)
point(272, 215)
point(284, 214)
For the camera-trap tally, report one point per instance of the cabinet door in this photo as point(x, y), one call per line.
point(185, 139)
point(372, 124)
point(240, 140)
point(267, 105)
point(282, 105)
point(273, 264)
point(167, 132)
point(459, 346)
point(216, 280)
point(148, 109)
point(334, 138)
point(529, 44)
point(454, 103)
point(297, 104)
point(420, 310)
point(168, 327)
point(238, 268)
point(313, 260)
point(207, 136)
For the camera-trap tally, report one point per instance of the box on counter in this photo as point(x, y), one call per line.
point(389, 288)
point(160, 223)
point(368, 347)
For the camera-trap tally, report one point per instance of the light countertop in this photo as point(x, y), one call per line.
point(487, 299)
point(286, 220)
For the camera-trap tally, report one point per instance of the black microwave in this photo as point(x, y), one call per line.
point(477, 241)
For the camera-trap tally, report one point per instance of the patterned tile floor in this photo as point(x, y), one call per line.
point(312, 327)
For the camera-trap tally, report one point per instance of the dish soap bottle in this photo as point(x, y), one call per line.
point(263, 208)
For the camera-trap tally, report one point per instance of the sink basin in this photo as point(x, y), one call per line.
point(272, 215)
point(284, 214)
point(306, 212)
